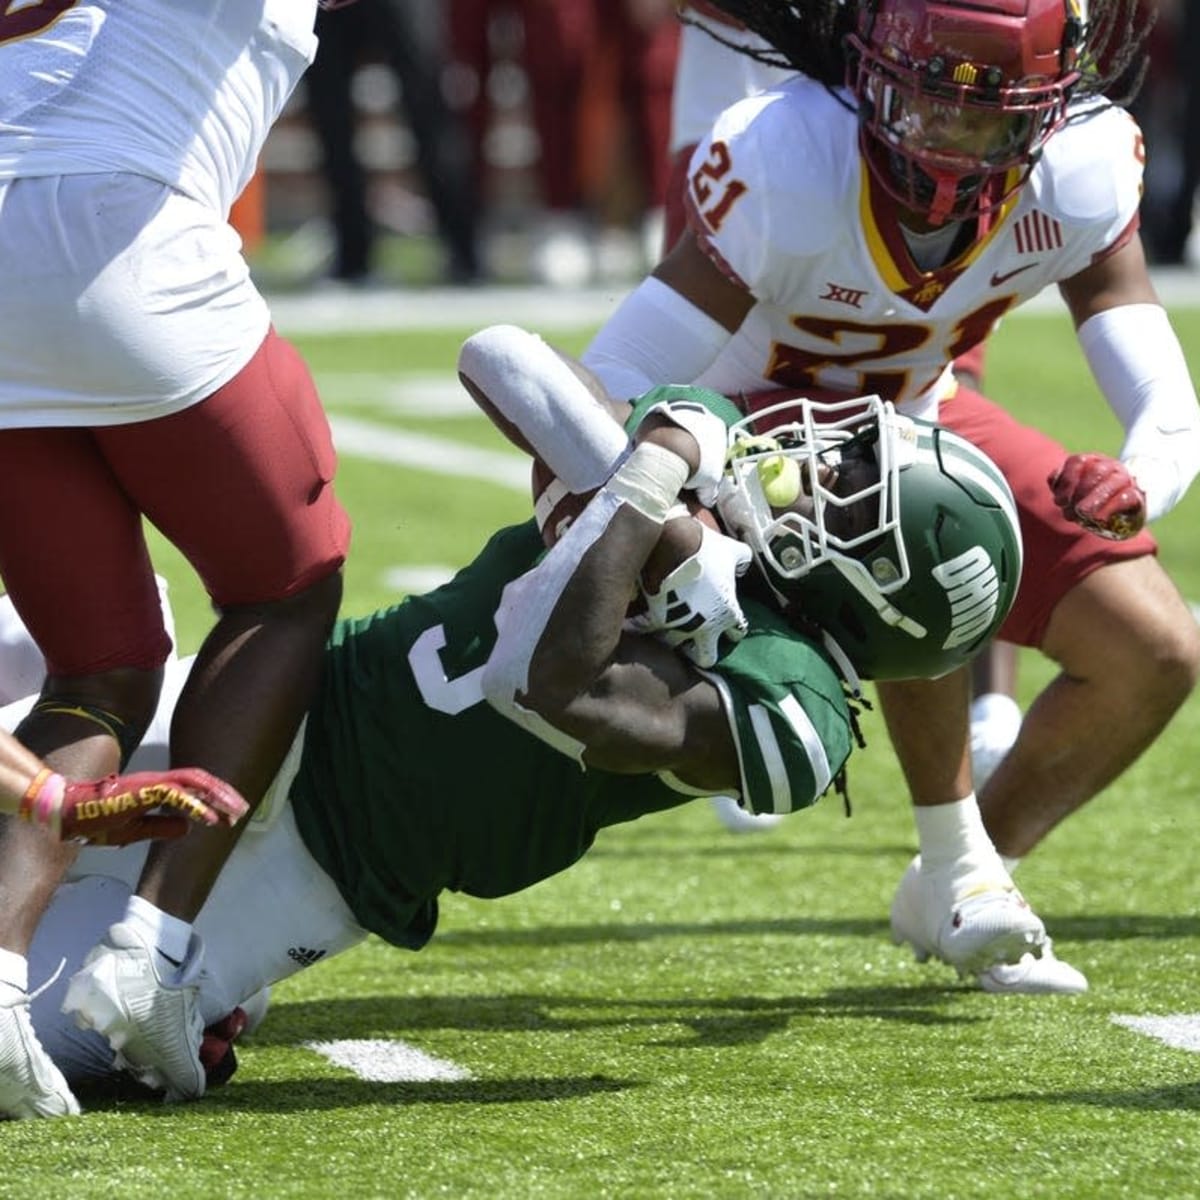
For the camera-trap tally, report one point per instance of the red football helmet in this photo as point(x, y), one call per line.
point(956, 100)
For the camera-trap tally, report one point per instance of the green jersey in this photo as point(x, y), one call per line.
point(410, 783)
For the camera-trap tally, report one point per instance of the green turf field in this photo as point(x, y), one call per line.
point(691, 1013)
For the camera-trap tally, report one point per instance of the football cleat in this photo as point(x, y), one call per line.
point(971, 925)
point(30, 1084)
point(146, 1007)
point(1045, 976)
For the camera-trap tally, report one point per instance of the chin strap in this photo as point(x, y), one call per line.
point(856, 574)
point(944, 196)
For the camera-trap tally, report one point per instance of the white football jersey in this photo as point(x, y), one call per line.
point(782, 199)
point(181, 91)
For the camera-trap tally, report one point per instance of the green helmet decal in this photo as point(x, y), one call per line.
point(904, 546)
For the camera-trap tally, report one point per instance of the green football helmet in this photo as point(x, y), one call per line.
point(897, 538)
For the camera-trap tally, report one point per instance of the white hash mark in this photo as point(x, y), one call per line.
point(387, 1061)
point(1181, 1031)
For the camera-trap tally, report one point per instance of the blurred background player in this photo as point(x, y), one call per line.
point(408, 37)
point(599, 78)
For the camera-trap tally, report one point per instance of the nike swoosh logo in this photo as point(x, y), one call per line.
point(998, 279)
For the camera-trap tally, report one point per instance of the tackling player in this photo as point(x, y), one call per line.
point(140, 379)
point(857, 230)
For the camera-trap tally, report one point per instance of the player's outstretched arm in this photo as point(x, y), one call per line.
point(115, 810)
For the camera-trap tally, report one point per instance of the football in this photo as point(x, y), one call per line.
point(553, 506)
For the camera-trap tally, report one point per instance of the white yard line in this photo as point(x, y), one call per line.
point(549, 310)
point(380, 443)
point(1181, 1031)
point(387, 1061)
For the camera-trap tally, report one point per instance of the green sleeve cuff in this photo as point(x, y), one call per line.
point(722, 406)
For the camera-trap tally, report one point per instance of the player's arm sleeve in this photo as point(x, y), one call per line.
point(789, 718)
point(1138, 364)
point(655, 336)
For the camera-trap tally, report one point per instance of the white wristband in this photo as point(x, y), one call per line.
point(650, 480)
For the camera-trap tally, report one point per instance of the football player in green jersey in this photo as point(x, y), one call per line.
point(477, 738)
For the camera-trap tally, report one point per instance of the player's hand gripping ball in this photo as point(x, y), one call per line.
point(555, 508)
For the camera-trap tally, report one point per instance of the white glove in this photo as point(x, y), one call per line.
point(697, 602)
point(712, 436)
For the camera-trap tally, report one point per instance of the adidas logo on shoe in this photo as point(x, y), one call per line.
point(304, 956)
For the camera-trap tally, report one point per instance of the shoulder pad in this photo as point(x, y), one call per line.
point(1091, 171)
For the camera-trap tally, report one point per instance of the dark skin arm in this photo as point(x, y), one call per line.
point(637, 705)
point(690, 272)
point(1121, 278)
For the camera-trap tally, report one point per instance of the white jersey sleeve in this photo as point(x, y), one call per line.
point(1090, 180)
point(41, 51)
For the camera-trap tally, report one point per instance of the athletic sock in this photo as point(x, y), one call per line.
point(168, 934)
point(953, 840)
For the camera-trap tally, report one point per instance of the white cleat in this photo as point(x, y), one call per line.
point(971, 928)
point(147, 1009)
point(30, 1084)
point(1045, 976)
point(737, 820)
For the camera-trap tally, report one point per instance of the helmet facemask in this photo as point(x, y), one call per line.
point(895, 538)
point(835, 513)
point(956, 103)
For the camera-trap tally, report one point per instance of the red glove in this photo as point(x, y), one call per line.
point(120, 809)
point(1100, 494)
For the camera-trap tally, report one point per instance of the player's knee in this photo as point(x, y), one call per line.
point(314, 607)
point(1161, 660)
point(119, 703)
point(1177, 657)
point(1168, 640)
